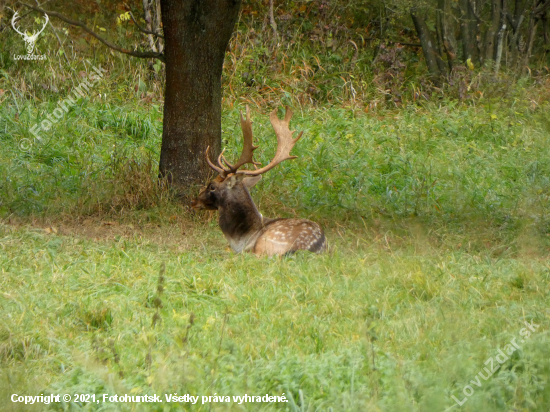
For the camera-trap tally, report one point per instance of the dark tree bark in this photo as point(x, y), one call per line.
point(475, 29)
point(440, 26)
point(531, 31)
point(468, 30)
point(544, 19)
point(446, 30)
point(518, 12)
point(515, 21)
point(489, 49)
point(500, 36)
point(197, 33)
point(436, 66)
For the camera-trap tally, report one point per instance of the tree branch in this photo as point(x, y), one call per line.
point(143, 55)
point(472, 10)
point(272, 20)
point(141, 29)
point(542, 6)
point(24, 15)
point(58, 39)
point(435, 64)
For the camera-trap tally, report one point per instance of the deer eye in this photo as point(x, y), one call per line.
point(210, 188)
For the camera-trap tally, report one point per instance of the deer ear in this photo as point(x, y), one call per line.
point(251, 181)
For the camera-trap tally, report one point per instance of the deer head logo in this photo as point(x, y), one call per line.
point(29, 39)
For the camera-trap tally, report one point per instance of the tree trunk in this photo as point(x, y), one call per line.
point(515, 45)
point(436, 65)
point(491, 33)
point(469, 47)
point(518, 11)
point(500, 37)
point(158, 25)
point(197, 33)
point(149, 24)
point(544, 19)
point(475, 22)
point(446, 30)
point(533, 24)
point(439, 26)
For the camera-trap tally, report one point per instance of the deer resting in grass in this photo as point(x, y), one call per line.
point(240, 221)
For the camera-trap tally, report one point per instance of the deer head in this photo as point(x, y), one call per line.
point(29, 39)
point(240, 221)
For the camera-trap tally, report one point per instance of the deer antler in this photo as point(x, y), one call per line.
point(220, 169)
point(248, 146)
point(247, 152)
point(43, 27)
point(34, 34)
point(285, 143)
point(13, 19)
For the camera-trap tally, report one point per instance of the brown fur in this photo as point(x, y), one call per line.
point(247, 230)
point(241, 223)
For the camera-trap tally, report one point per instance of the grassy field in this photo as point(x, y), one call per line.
point(437, 217)
point(378, 324)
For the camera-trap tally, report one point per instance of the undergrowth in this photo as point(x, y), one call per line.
point(456, 166)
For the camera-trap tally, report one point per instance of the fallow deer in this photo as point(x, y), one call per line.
point(240, 221)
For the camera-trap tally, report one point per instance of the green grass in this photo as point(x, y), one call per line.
point(455, 167)
point(437, 215)
point(374, 325)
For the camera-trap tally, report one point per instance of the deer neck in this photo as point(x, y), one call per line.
point(240, 222)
